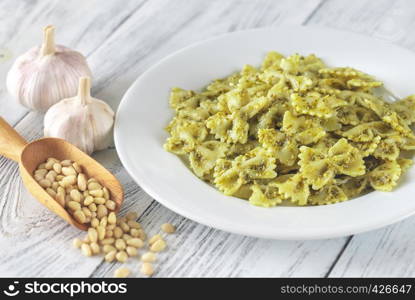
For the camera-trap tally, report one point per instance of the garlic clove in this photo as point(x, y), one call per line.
point(46, 74)
point(84, 121)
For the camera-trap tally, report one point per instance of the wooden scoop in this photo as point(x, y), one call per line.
point(30, 155)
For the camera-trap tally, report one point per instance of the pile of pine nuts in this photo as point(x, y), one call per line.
point(90, 203)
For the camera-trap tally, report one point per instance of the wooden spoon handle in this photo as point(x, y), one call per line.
point(11, 142)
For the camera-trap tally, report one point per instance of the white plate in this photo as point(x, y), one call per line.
point(144, 112)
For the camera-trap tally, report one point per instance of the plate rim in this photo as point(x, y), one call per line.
point(343, 232)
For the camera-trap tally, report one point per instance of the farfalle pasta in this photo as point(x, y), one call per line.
point(293, 131)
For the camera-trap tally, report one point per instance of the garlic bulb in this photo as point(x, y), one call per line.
point(84, 121)
point(44, 75)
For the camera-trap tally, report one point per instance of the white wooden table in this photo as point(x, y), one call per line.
point(121, 39)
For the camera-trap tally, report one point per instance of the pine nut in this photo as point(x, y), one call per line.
point(93, 185)
point(135, 242)
point(126, 237)
point(103, 222)
point(110, 256)
point(110, 204)
point(42, 166)
point(73, 205)
point(118, 232)
point(132, 215)
point(92, 207)
point(94, 222)
point(149, 257)
point(92, 179)
point(101, 232)
point(97, 194)
point(102, 211)
point(42, 172)
point(39, 177)
point(168, 228)
point(108, 241)
point(134, 232)
point(77, 243)
point(45, 183)
point(121, 273)
point(76, 195)
point(60, 196)
point(92, 235)
point(120, 220)
point(88, 200)
point(81, 182)
point(142, 234)
point(49, 165)
point(106, 193)
point(79, 216)
point(110, 226)
point(124, 227)
point(68, 171)
point(120, 244)
point(95, 248)
point(66, 163)
point(87, 212)
point(108, 248)
point(109, 233)
point(86, 250)
point(121, 256)
point(55, 186)
point(112, 219)
point(59, 177)
point(131, 251)
point(147, 269)
point(68, 180)
point(51, 176)
point(155, 238)
point(77, 167)
point(158, 246)
point(51, 192)
point(57, 167)
point(133, 224)
point(99, 200)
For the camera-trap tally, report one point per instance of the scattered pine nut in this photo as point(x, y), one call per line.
point(121, 256)
point(158, 246)
point(77, 243)
point(155, 238)
point(131, 251)
point(149, 257)
point(86, 250)
point(121, 273)
point(168, 228)
point(147, 269)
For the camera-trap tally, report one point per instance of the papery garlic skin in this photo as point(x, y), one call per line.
point(86, 124)
point(39, 78)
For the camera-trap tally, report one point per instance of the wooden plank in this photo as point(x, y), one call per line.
point(386, 252)
point(81, 25)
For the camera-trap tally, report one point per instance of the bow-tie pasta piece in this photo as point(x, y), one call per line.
point(405, 109)
point(367, 148)
point(316, 104)
point(385, 177)
point(281, 146)
point(387, 149)
point(346, 159)
point(264, 196)
point(204, 157)
point(329, 194)
point(315, 167)
point(226, 178)
point(303, 129)
point(296, 189)
point(185, 135)
point(256, 164)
